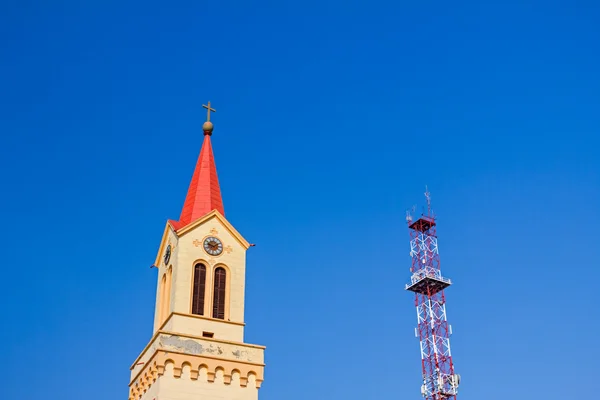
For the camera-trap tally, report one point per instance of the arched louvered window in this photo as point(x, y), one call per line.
point(162, 286)
point(199, 289)
point(167, 294)
point(219, 293)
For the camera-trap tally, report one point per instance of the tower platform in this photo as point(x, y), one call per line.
point(428, 284)
point(423, 224)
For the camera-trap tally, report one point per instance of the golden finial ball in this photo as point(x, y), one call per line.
point(207, 127)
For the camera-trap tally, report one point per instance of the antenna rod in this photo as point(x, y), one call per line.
point(428, 197)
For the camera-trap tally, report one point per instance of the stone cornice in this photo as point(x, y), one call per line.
point(209, 319)
point(199, 354)
point(211, 357)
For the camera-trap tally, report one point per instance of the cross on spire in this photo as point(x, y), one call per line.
point(204, 193)
point(208, 110)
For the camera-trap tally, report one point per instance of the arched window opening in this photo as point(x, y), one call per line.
point(161, 298)
point(199, 289)
point(219, 293)
point(167, 299)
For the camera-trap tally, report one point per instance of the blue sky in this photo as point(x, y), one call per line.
point(331, 118)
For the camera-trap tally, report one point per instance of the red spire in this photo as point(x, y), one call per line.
point(204, 194)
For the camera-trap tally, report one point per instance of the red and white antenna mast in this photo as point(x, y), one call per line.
point(439, 380)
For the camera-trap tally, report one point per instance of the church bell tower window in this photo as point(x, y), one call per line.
point(199, 289)
point(219, 293)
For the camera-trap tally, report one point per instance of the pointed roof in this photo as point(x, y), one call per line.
point(204, 193)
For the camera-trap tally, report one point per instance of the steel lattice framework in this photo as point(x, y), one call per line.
point(439, 380)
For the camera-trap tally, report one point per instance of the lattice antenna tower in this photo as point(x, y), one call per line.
point(440, 382)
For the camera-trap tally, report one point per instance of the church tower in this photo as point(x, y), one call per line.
point(197, 351)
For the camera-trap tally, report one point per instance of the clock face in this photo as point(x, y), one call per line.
point(167, 254)
point(213, 246)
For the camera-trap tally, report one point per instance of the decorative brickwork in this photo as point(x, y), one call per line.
point(158, 364)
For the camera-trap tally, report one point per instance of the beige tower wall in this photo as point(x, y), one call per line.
point(198, 326)
point(170, 238)
point(233, 259)
point(186, 251)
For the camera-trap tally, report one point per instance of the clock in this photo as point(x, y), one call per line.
point(167, 254)
point(213, 246)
